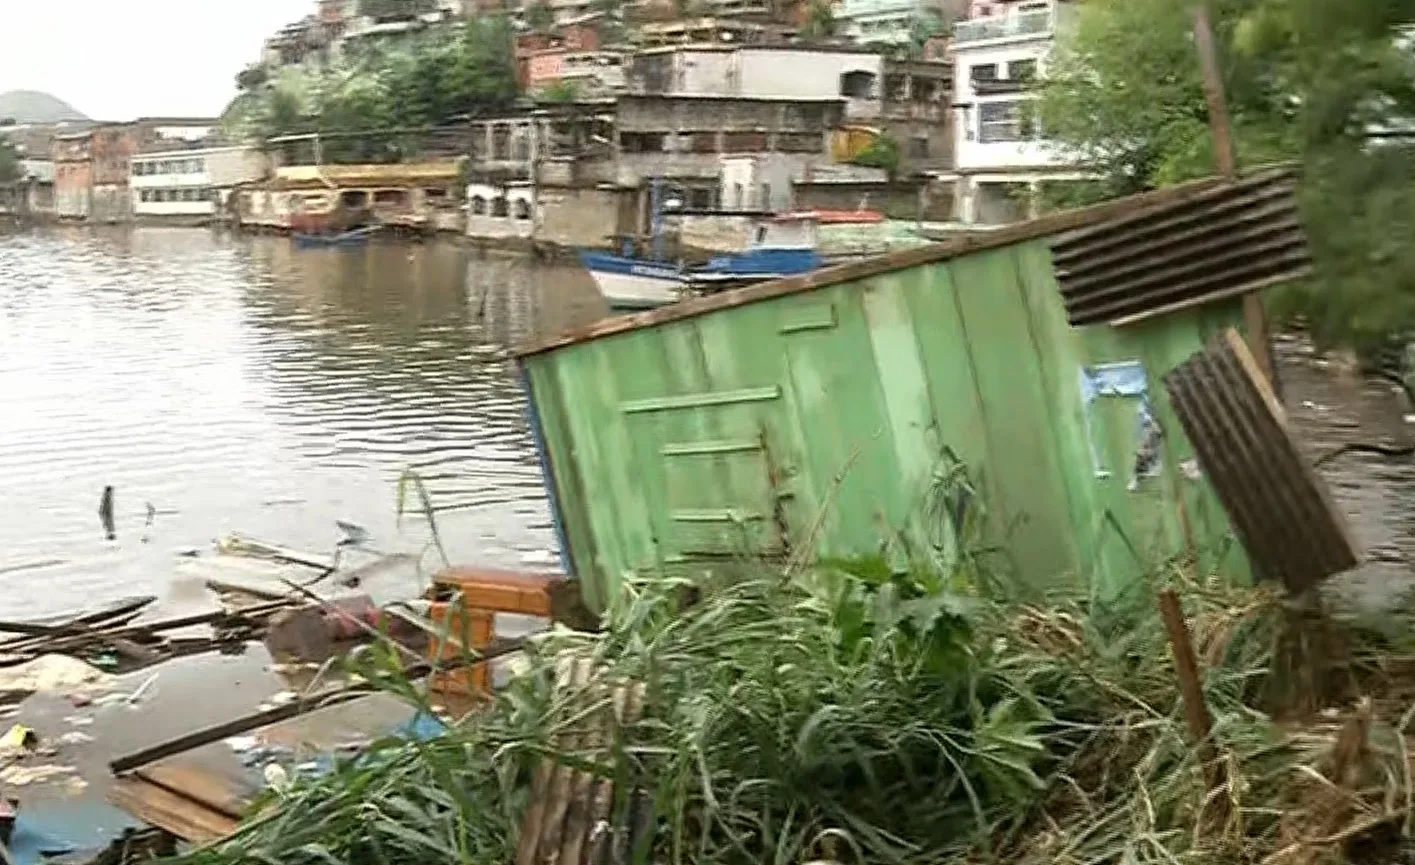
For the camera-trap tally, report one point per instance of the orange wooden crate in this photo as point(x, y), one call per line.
point(465, 603)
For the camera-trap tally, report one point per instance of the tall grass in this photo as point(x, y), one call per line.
point(906, 710)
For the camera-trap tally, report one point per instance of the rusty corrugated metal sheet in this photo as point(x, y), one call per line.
point(1235, 238)
point(1280, 509)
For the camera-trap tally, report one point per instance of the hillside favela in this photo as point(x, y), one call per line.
point(707, 432)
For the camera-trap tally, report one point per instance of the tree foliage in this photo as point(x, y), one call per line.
point(820, 20)
point(444, 74)
point(9, 161)
point(1307, 81)
point(883, 152)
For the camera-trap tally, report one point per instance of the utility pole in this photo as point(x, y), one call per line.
point(1255, 318)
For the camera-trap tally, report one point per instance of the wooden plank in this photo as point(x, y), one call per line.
point(721, 446)
point(533, 825)
point(560, 789)
point(188, 820)
point(907, 407)
point(1012, 391)
point(200, 787)
point(1062, 351)
point(569, 483)
point(699, 400)
point(811, 316)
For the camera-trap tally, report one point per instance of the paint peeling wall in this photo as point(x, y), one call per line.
point(820, 418)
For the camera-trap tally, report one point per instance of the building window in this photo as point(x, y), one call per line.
point(982, 72)
point(919, 147)
point(857, 84)
point(522, 208)
point(1022, 70)
point(766, 196)
point(999, 121)
point(478, 205)
point(498, 207)
point(390, 197)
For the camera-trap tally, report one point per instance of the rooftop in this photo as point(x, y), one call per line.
point(1134, 206)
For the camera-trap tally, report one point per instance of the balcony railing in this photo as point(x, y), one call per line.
point(1022, 24)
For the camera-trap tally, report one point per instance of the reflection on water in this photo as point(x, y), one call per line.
point(242, 385)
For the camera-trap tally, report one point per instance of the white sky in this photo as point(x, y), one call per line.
point(121, 60)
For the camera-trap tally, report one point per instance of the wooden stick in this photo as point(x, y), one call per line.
point(1255, 318)
point(125, 611)
point(33, 645)
point(255, 720)
point(1191, 689)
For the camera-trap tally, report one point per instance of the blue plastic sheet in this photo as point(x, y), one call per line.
point(1124, 379)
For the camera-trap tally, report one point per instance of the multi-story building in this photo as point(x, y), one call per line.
point(73, 175)
point(191, 184)
point(915, 111)
point(761, 72)
point(586, 73)
point(92, 168)
point(709, 30)
point(1002, 159)
point(893, 22)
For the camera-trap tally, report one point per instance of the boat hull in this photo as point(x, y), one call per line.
point(627, 283)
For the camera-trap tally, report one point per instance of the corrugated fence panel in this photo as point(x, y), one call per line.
point(1232, 239)
point(1280, 509)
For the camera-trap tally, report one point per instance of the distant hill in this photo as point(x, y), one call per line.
point(28, 106)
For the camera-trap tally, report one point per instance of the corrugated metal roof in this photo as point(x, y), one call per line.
point(1281, 510)
point(1232, 239)
point(1046, 226)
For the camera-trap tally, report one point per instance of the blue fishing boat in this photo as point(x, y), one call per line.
point(354, 237)
point(780, 245)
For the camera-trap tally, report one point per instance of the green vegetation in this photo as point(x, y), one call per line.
point(872, 711)
point(1308, 81)
point(9, 161)
point(883, 152)
point(558, 92)
point(445, 73)
point(820, 20)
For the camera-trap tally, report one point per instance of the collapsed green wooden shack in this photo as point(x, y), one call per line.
point(814, 412)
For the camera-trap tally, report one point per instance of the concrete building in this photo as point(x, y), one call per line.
point(709, 30)
point(915, 111)
point(73, 175)
point(1001, 159)
point(574, 165)
point(191, 185)
point(584, 73)
point(893, 22)
point(92, 168)
point(762, 72)
point(415, 196)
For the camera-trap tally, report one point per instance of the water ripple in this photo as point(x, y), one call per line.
point(223, 378)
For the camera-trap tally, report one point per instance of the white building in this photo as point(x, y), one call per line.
point(760, 72)
point(1002, 160)
point(191, 184)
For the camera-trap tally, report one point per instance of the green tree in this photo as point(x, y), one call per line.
point(559, 92)
point(1307, 81)
point(538, 15)
point(882, 153)
point(820, 20)
point(10, 169)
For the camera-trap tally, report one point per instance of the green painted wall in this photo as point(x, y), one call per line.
point(818, 419)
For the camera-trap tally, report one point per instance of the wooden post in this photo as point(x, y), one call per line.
point(1186, 668)
point(1255, 319)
